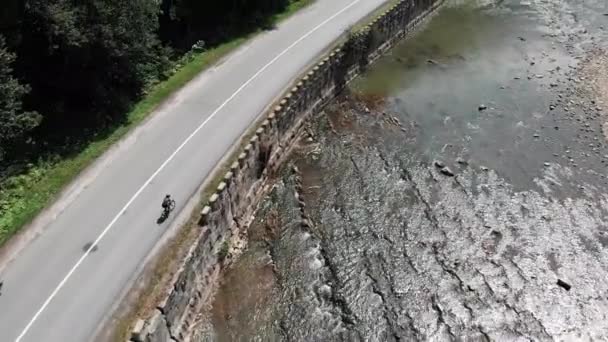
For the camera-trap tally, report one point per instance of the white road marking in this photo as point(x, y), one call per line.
point(111, 224)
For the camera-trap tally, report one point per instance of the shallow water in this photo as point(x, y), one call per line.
point(372, 241)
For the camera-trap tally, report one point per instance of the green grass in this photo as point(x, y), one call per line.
point(23, 196)
point(291, 9)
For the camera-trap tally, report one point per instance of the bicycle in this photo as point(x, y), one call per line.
point(168, 206)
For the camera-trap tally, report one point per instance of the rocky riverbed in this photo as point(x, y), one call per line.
point(457, 191)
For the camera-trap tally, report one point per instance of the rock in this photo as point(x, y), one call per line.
point(536, 135)
point(462, 161)
point(439, 164)
point(551, 107)
point(482, 107)
point(446, 171)
point(564, 285)
point(306, 223)
point(547, 164)
point(432, 61)
point(483, 168)
point(137, 333)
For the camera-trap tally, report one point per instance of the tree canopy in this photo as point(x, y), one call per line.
point(70, 68)
point(183, 22)
point(15, 123)
point(86, 60)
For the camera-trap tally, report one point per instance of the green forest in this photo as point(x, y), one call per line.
point(72, 70)
point(71, 67)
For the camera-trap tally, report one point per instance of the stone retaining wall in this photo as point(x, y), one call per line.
point(229, 208)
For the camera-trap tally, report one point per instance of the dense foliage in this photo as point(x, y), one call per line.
point(15, 123)
point(80, 64)
point(183, 22)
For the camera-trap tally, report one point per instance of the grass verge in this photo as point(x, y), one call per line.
point(23, 196)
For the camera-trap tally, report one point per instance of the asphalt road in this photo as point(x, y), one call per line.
point(57, 289)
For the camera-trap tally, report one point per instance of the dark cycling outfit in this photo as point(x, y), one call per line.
point(166, 202)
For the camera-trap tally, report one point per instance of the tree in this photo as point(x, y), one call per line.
point(86, 61)
point(183, 22)
point(14, 122)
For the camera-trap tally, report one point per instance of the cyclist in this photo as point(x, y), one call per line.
point(167, 203)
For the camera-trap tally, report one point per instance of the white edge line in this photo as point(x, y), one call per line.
point(111, 224)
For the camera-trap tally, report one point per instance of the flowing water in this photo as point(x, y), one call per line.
point(457, 192)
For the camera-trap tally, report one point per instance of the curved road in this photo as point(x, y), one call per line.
point(58, 289)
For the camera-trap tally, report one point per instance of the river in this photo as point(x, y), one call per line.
point(457, 191)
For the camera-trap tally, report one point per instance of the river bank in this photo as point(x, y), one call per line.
point(457, 191)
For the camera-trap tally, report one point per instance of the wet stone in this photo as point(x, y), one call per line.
point(563, 285)
point(462, 162)
point(446, 171)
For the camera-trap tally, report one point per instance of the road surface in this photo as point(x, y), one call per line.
point(58, 289)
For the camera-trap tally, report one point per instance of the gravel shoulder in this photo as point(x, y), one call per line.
point(595, 72)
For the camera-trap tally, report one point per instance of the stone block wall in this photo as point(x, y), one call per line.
point(231, 204)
